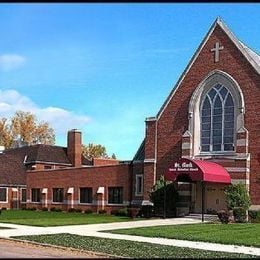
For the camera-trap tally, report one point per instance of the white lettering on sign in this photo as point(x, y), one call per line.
point(181, 167)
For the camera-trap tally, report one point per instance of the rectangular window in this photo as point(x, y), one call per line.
point(47, 167)
point(23, 195)
point(139, 184)
point(58, 195)
point(85, 195)
point(3, 194)
point(115, 195)
point(36, 195)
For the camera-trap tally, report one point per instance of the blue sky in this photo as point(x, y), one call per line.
point(104, 68)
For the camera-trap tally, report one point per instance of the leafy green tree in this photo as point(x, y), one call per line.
point(164, 192)
point(237, 196)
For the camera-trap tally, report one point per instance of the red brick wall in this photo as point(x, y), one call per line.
point(102, 176)
point(173, 122)
point(102, 162)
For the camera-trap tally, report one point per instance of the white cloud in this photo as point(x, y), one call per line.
point(11, 61)
point(60, 119)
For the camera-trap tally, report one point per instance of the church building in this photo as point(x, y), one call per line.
point(205, 136)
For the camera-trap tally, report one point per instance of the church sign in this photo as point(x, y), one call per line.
point(184, 167)
point(197, 170)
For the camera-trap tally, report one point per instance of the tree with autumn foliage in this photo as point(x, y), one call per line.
point(95, 151)
point(24, 129)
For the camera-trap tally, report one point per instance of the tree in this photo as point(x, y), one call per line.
point(237, 196)
point(238, 201)
point(164, 194)
point(95, 151)
point(24, 129)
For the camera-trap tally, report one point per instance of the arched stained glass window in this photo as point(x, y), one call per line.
point(217, 120)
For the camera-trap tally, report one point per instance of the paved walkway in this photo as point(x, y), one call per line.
point(95, 230)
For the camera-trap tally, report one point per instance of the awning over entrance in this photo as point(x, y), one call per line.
point(197, 170)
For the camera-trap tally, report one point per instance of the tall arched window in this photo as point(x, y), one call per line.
point(217, 120)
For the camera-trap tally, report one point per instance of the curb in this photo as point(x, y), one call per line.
point(60, 247)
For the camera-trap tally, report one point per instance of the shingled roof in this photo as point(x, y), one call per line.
point(13, 162)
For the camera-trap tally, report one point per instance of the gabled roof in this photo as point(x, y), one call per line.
point(139, 156)
point(13, 162)
point(252, 57)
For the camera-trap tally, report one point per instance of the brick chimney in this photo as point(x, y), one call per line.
point(74, 147)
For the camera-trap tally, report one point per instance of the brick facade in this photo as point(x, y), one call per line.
point(169, 136)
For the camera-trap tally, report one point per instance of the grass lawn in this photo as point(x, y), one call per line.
point(46, 218)
point(238, 234)
point(125, 248)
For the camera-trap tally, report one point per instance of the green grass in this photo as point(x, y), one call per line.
point(125, 248)
point(46, 219)
point(238, 234)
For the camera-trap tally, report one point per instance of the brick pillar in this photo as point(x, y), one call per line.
point(242, 141)
point(150, 156)
point(186, 146)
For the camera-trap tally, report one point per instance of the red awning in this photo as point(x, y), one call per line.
point(198, 170)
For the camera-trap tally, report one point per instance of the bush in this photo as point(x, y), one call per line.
point(133, 212)
point(44, 209)
point(71, 210)
point(223, 216)
point(237, 196)
point(146, 211)
point(102, 211)
point(114, 212)
point(33, 208)
point(164, 191)
point(88, 211)
point(239, 215)
point(252, 214)
point(78, 210)
point(56, 209)
point(121, 212)
point(3, 208)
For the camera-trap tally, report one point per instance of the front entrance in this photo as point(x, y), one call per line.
point(203, 185)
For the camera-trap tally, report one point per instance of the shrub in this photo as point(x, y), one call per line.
point(239, 214)
point(102, 211)
point(78, 210)
point(88, 211)
point(33, 208)
point(146, 211)
point(164, 191)
point(3, 208)
point(252, 214)
point(223, 216)
point(133, 212)
point(55, 209)
point(58, 210)
point(71, 210)
point(237, 196)
point(121, 212)
point(24, 208)
point(44, 209)
point(114, 212)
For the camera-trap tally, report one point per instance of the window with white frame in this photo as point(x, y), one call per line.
point(36, 195)
point(57, 195)
point(217, 120)
point(139, 185)
point(85, 195)
point(23, 195)
point(3, 194)
point(115, 195)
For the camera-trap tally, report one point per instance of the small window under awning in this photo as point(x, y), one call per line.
point(198, 170)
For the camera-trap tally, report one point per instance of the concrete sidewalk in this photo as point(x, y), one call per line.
point(95, 230)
